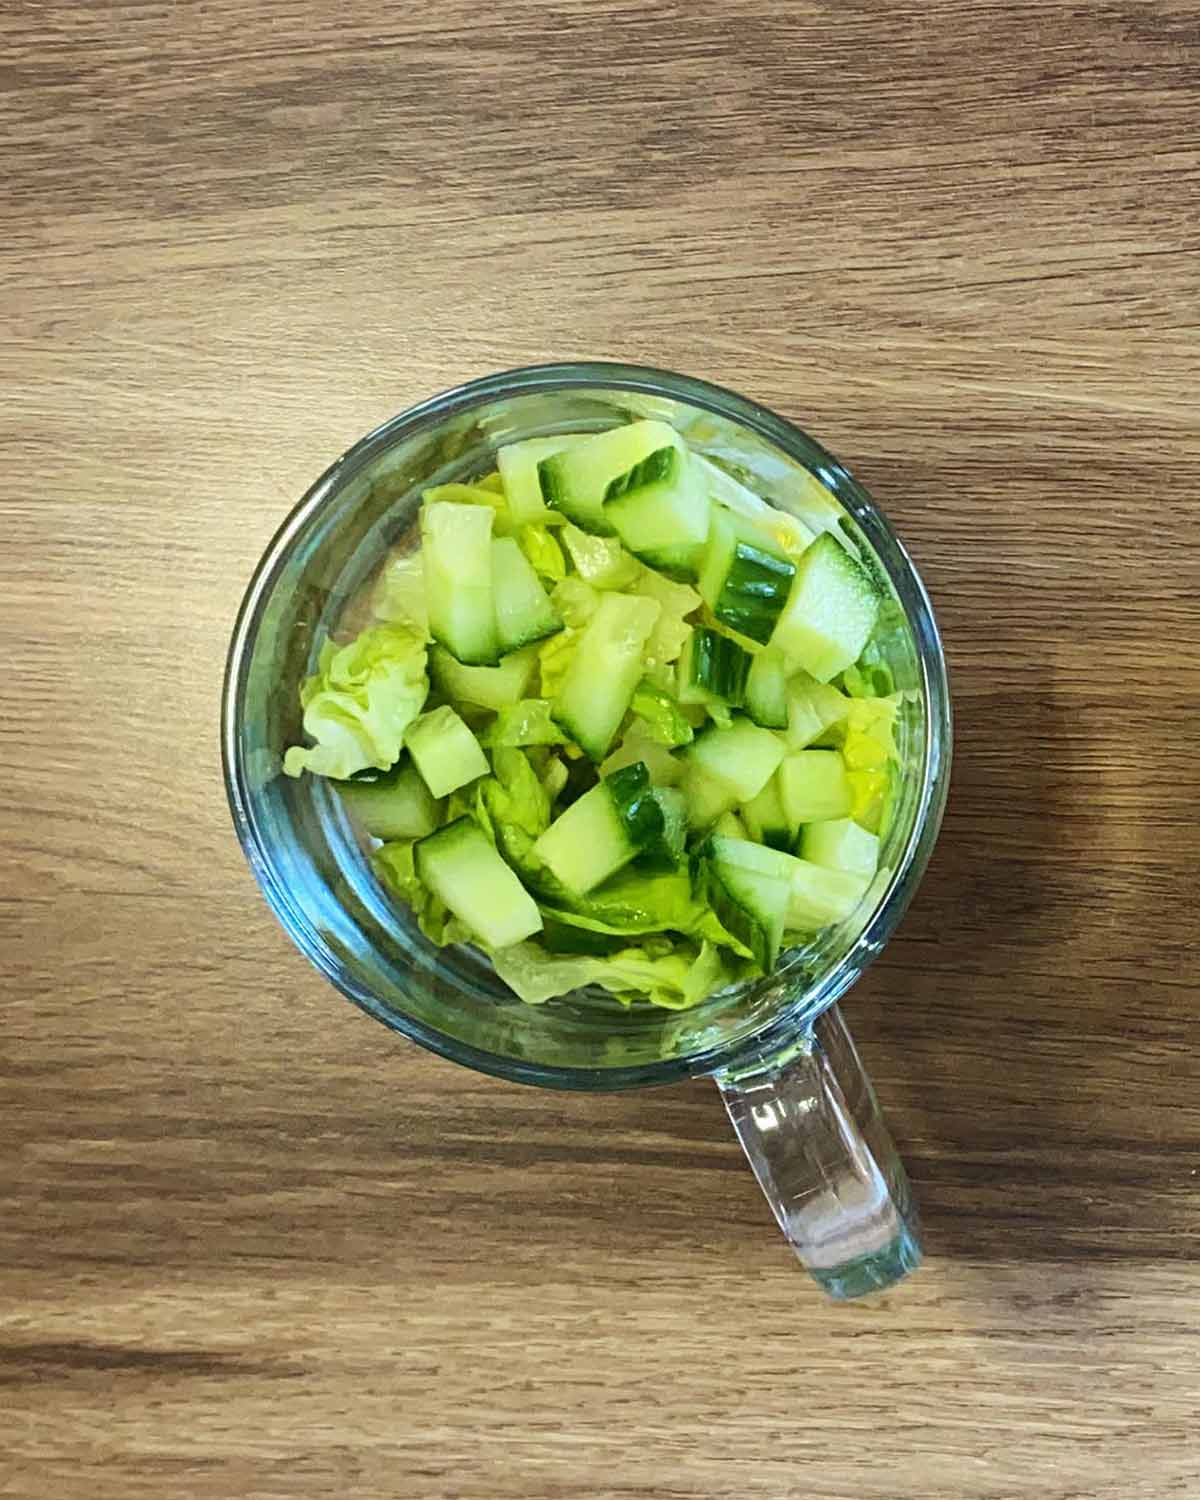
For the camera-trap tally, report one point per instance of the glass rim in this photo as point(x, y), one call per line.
point(790, 1019)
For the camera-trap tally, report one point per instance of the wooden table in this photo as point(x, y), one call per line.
point(251, 1244)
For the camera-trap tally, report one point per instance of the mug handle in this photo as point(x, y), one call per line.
point(810, 1124)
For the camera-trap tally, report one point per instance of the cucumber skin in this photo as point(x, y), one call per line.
point(718, 666)
point(653, 469)
point(736, 919)
point(752, 602)
point(638, 808)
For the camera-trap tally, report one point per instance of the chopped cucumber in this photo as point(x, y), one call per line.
point(831, 612)
point(820, 896)
point(742, 757)
point(458, 580)
point(665, 850)
point(445, 751)
point(486, 687)
point(660, 511)
point(765, 819)
point(518, 463)
point(813, 787)
point(606, 668)
point(766, 694)
point(712, 667)
point(841, 844)
point(745, 579)
point(730, 826)
point(639, 744)
point(461, 867)
point(546, 605)
point(579, 480)
point(813, 709)
point(706, 798)
point(396, 805)
point(749, 894)
point(601, 832)
point(523, 610)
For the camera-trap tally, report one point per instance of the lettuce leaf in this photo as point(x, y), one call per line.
point(600, 560)
point(870, 736)
point(395, 866)
point(640, 972)
point(675, 601)
point(525, 723)
point(399, 594)
point(359, 703)
point(544, 553)
point(659, 714)
point(576, 601)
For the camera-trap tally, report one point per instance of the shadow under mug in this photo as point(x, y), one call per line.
point(800, 1102)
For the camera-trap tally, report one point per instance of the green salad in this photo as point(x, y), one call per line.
point(617, 721)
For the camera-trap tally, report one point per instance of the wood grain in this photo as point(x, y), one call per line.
point(252, 1245)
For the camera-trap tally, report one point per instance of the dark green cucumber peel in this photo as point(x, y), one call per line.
point(665, 851)
point(726, 895)
point(655, 468)
point(755, 589)
point(718, 665)
point(636, 804)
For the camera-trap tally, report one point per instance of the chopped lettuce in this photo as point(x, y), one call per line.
point(359, 703)
point(675, 601)
point(399, 593)
point(660, 715)
point(576, 601)
point(554, 659)
point(870, 736)
point(544, 553)
point(600, 560)
point(652, 971)
point(525, 723)
point(394, 865)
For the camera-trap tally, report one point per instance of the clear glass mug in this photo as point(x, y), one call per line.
point(800, 1102)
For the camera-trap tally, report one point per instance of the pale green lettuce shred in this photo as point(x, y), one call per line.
point(359, 703)
point(399, 594)
point(676, 980)
point(544, 553)
point(676, 601)
point(600, 560)
point(525, 723)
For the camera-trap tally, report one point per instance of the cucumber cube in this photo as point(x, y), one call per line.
point(445, 751)
point(831, 612)
point(485, 687)
point(840, 844)
point(460, 865)
point(457, 543)
point(396, 805)
point(601, 832)
point(518, 465)
point(604, 671)
point(523, 610)
point(820, 896)
point(579, 480)
point(813, 787)
point(813, 709)
point(742, 757)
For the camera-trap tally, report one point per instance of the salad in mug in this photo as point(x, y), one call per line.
point(616, 720)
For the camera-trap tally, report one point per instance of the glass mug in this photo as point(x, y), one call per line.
point(800, 1102)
